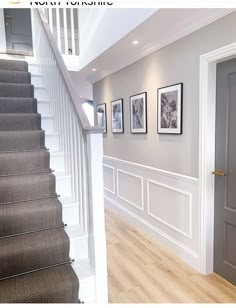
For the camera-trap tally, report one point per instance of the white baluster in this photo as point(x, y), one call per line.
point(65, 31)
point(72, 30)
point(58, 29)
point(50, 19)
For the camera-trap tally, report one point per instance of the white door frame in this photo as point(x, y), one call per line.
point(2, 31)
point(207, 113)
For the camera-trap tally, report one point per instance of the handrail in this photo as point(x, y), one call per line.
point(87, 128)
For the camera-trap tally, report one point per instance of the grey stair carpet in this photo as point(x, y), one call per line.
point(18, 105)
point(18, 121)
point(22, 140)
point(20, 217)
point(13, 163)
point(16, 90)
point(35, 266)
point(15, 77)
point(54, 285)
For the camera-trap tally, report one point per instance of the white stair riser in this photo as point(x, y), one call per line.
point(52, 142)
point(78, 247)
point(36, 80)
point(47, 124)
point(71, 215)
point(40, 93)
point(63, 186)
point(57, 162)
point(34, 69)
point(43, 108)
point(87, 292)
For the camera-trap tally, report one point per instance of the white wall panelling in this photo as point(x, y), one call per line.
point(164, 204)
point(132, 196)
point(109, 179)
point(160, 204)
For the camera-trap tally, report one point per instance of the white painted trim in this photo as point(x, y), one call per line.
point(113, 178)
point(124, 199)
point(189, 235)
point(187, 254)
point(3, 33)
point(153, 169)
point(207, 89)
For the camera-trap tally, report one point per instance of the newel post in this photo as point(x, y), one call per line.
point(97, 235)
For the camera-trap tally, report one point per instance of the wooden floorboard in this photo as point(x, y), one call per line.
point(142, 271)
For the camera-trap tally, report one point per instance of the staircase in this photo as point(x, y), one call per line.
point(35, 266)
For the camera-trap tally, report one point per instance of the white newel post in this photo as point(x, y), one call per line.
point(97, 233)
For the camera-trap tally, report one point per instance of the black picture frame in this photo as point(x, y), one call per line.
point(138, 113)
point(102, 116)
point(117, 116)
point(170, 109)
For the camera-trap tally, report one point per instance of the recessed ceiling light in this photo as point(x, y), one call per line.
point(94, 69)
point(80, 96)
point(135, 42)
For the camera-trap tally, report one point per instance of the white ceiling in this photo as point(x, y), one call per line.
point(159, 30)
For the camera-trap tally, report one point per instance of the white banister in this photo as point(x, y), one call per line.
point(81, 144)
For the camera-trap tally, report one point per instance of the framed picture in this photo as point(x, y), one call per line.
point(169, 108)
point(102, 116)
point(117, 116)
point(138, 113)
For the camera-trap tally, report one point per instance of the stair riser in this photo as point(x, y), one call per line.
point(34, 68)
point(79, 248)
point(63, 186)
point(36, 80)
point(57, 162)
point(48, 124)
point(43, 108)
point(52, 142)
point(71, 215)
point(13, 65)
point(40, 93)
point(87, 290)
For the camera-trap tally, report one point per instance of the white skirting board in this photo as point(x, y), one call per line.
point(163, 204)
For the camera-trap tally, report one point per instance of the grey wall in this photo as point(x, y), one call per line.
point(178, 62)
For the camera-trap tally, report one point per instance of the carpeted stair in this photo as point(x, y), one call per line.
point(35, 266)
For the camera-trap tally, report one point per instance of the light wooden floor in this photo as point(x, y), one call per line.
point(141, 271)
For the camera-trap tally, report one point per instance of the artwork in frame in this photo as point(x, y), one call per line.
point(138, 113)
point(170, 108)
point(102, 117)
point(117, 116)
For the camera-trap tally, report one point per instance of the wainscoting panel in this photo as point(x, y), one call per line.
point(109, 179)
point(164, 200)
point(130, 188)
point(162, 203)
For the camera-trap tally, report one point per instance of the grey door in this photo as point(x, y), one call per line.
point(18, 30)
point(225, 179)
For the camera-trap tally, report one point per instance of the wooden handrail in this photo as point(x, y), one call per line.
point(87, 128)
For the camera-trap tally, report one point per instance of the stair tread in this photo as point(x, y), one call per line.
point(26, 187)
point(20, 121)
point(18, 105)
point(11, 76)
point(30, 251)
point(26, 216)
point(16, 90)
point(14, 65)
point(54, 285)
point(21, 140)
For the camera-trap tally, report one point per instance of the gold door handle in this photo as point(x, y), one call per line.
point(219, 173)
